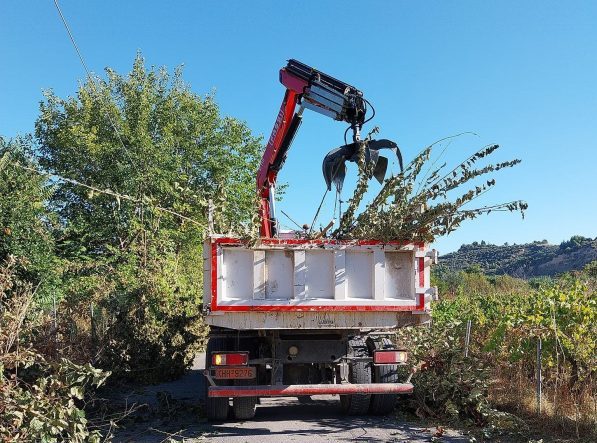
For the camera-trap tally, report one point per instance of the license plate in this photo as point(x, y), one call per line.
point(238, 373)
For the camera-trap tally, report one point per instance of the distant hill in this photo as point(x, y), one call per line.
point(528, 260)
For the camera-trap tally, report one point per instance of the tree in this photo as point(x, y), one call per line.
point(575, 242)
point(166, 152)
point(25, 223)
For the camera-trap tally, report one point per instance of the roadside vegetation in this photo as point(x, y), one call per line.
point(102, 216)
point(495, 387)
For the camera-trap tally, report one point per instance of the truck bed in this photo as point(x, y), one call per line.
point(315, 284)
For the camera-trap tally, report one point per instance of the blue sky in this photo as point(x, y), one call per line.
point(521, 74)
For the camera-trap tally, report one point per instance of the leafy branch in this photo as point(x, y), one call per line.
point(398, 212)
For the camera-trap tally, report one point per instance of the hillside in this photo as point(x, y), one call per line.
point(527, 260)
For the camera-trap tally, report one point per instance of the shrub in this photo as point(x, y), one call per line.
point(508, 317)
point(40, 400)
point(450, 385)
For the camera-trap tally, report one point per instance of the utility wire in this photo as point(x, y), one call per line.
point(117, 195)
point(90, 77)
point(72, 39)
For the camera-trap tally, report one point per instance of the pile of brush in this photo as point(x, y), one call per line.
point(416, 206)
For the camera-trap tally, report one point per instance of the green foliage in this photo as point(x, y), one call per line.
point(155, 155)
point(471, 295)
point(448, 384)
point(591, 269)
point(508, 316)
point(47, 408)
point(564, 315)
point(414, 208)
point(40, 400)
point(102, 219)
point(25, 221)
point(575, 242)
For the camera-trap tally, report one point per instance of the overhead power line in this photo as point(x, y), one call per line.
point(90, 77)
point(5, 160)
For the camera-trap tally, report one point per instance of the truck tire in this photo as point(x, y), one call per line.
point(383, 404)
point(244, 408)
point(216, 408)
point(358, 372)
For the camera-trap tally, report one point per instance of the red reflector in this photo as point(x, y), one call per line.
point(230, 359)
point(389, 357)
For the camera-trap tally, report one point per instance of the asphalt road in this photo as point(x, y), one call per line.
point(277, 420)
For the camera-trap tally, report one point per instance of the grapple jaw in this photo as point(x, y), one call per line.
point(334, 163)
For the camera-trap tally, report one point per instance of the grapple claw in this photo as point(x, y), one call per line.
point(334, 163)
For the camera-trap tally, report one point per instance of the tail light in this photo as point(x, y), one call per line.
point(230, 358)
point(388, 357)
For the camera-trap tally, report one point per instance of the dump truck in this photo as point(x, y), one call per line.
point(296, 314)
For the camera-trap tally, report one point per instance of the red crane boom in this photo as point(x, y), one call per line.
point(311, 89)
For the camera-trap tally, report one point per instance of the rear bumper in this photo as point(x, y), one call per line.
point(296, 390)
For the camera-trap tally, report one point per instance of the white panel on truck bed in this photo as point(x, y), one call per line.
point(399, 276)
point(320, 277)
point(279, 266)
point(360, 284)
point(305, 273)
point(236, 273)
point(307, 283)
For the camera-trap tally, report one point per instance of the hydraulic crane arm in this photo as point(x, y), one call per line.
point(313, 90)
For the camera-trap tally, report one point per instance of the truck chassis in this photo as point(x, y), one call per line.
point(294, 363)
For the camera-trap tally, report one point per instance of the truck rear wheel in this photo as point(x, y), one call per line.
point(358, 372)
point(383, 404)
point(216, 408)
point(244, 408)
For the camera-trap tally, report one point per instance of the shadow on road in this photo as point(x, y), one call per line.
point(287, 417)
point(277, 419)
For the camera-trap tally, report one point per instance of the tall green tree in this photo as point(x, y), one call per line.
point(165, 152)
point(26, 224)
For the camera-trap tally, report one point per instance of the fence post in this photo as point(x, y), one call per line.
point(467, 338)
point(93, 332)
point(539, 375)
point(55, 318)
